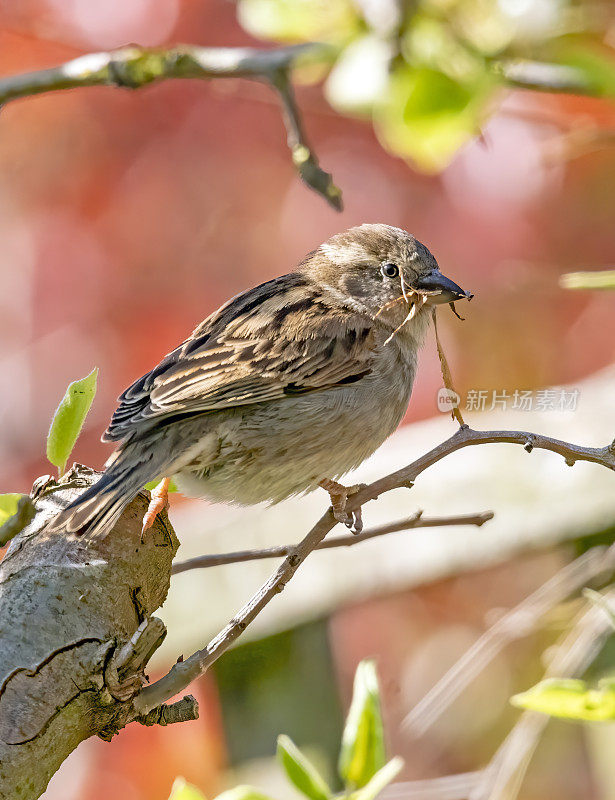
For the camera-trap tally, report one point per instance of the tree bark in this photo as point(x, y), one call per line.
point(76, 632)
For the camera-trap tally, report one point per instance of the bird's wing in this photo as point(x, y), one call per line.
point(282, 338)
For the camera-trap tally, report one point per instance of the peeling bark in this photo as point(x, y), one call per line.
point(76, 632)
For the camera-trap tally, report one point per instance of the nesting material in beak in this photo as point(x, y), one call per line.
point(415, 301)
point(431, 289)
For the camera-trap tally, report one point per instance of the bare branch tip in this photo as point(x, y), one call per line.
point(183, 710)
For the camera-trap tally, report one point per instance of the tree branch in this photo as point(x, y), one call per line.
point(183, 673)
point(134, 67)
point(415, 521)
point(545, 77)
point(81, 671)
point(77, 632)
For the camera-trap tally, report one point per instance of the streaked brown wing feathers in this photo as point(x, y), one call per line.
point(251, 352)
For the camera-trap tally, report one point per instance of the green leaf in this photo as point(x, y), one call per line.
point(594, 61)
point(360, 75)
point(16, 511)
point(568, 698)
point(8, 505)
point(602, 279)
point(300, 770)
point(152, 485)
point(380, 780)
point(68, 419)
point(185, 791)
point(243, 793)
point(299, 20)
point(427, 115)
point(362, 753)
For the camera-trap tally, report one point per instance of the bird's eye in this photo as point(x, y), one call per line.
point(390, 270)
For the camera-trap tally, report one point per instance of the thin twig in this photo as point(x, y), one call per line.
point(183, 673)
point(502, 779)
point(134, 67)
point(449, 787)
point(303, 157)
point(577, 142)
point(545, 77)
point(446, 371)
point(466, 437)
point(515, 624)
point(415, 521)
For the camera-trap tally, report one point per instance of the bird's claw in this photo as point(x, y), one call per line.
point(159, 500)
point(339, 495)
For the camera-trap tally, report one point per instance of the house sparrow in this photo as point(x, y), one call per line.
point(284, 388)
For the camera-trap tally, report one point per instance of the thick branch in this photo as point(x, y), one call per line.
point(134, 67)
point(76, 632)
point(183, 673)
point(415, 521)
point(80, 672)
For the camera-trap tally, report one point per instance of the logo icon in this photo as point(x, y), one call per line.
point(447, 400)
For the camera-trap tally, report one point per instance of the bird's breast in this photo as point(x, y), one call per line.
point(273, 450)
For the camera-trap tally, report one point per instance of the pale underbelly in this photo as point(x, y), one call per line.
point(275, 450)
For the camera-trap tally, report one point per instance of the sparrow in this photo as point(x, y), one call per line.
point(285, 388)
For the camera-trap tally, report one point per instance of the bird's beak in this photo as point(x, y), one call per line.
point(440, 288)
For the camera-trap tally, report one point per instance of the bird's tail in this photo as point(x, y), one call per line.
point(96, 511)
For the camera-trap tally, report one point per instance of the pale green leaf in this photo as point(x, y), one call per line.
point(362, 753)
point(427, 115)
point(8, 505)
point(380, 780)
point(594, 61)
point(69, 418)
point(300, 770)
point(182, 790)
point(16, 511)
point(360, 75)
point(601, 279)
point(243, 793)
point(152, 485)
point(568, 698)
point(299, 20)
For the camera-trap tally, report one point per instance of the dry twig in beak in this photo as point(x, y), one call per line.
point(388, 305)
point(455, 312)
point(446, 372)
point(415, 301)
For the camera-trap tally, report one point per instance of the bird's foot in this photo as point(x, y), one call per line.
point(339, 495)
point(158, 502)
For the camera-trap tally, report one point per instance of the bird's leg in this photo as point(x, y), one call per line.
point(158, 502)
point(339, 495)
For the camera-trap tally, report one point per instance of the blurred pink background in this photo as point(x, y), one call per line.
point(127, 217)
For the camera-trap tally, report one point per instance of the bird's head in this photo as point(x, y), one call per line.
point(383, 271)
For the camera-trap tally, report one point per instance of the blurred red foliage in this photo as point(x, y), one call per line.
point(127, 217)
